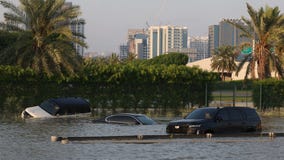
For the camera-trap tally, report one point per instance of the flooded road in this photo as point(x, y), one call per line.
point(30, 139)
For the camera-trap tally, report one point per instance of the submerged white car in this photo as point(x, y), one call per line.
point(56, 107)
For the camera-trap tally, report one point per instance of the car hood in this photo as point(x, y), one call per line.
point(36, 112)
point(187, 121)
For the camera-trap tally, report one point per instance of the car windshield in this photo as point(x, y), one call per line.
point(48, 107)
point(145, 120)
point(207, 113)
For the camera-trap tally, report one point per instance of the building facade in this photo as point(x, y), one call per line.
point(229, 34)
point(137, 43)
point(213, 38)
point(163, 38)
point(225, 34)
point(123, 51)
point(78, 27)
point(201, 46)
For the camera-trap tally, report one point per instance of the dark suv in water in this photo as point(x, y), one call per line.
point(217, 120)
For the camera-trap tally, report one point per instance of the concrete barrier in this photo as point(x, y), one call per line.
point(65, 140)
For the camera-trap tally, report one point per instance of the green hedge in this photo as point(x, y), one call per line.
point(108, 86)
point(268, 94)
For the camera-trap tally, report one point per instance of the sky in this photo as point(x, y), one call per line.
point(107, 21)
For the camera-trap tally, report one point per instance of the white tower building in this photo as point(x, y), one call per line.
point(163, 38)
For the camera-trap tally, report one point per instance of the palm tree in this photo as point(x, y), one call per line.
point(45, 43)
point(263, 28)
point(223, 60)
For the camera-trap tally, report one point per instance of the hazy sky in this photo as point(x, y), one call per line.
point(107, 21)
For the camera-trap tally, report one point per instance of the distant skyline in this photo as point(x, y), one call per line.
point(107, 21)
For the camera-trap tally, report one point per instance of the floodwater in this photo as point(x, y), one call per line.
point(30, 139)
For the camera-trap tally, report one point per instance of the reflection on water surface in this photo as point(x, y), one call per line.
point(30, 139)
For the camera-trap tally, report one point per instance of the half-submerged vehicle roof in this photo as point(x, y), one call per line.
point(57, 107)
point(126, 118)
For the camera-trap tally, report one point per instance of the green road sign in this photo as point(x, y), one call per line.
point(246, 50)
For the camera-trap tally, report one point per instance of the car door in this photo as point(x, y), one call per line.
point(236, 120)
point(222, 123)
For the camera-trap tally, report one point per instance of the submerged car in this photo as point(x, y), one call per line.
point(217, 120)
point(126, 118)
point(55, 107)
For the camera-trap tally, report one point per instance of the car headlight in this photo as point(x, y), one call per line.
point(195, 126)
point(176, 127)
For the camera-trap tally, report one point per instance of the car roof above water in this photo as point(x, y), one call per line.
point(249, 113)
point(127, 114)
point(228, 107)
point(68, 105)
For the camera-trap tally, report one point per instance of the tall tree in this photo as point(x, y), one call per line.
point(223, 60)
point(263, 27)
point(45, 41)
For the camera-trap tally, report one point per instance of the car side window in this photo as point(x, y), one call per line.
point(251, 114)
point(126, 119)
point(115, 118)
point(223, 115)
point(235, 115)
point(129, 120)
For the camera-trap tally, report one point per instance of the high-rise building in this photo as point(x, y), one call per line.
point(77, 26)
point(201, 46)
point(137, 43)
point(123, 51)
point(230, 34)
point(213, 38)
point(131, 38)
point(140, 43)
point(163, 38)
point(225, 34)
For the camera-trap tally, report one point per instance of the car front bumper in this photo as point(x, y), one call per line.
point(185, 129)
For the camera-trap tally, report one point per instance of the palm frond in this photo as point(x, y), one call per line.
point(48, 46)
point(12, 7)
point(242, 63)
